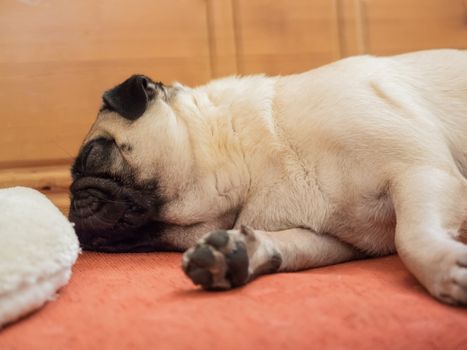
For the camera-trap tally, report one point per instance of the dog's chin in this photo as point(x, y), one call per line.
point(141, 239)
point(110, 217)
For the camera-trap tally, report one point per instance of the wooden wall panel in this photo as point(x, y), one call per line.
point(53, 181)
point(222, 38)
point(57, 56)
point(351, 26)
point(282, 36)
point(394, 26)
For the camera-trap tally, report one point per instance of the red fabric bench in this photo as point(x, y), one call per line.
point(144, 301)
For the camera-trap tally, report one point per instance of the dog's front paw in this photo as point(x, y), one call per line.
point(452, 286)
point(219, 260)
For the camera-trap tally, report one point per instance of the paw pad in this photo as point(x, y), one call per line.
point(218, 239)
point(219, 261)
point(237, 263)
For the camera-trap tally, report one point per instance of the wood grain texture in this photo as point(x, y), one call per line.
point(57, 57)
point(222, 38)
point(394, 26)
point(45, 178)
point(351, 26)
point(281, 37)
point(53, 181)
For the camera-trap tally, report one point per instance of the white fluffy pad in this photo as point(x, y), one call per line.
point(38, 247)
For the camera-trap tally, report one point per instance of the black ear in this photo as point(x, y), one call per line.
point(130, 98)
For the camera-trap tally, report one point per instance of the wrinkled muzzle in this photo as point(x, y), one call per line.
point(108, 215)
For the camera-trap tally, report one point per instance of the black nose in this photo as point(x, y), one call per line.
point(93, 158)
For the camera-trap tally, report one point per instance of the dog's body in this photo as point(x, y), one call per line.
point(302, 170)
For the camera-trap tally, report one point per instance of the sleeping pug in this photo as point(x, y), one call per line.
point(254, 175)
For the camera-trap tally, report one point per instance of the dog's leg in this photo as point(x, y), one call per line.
point(431, 209)
point(180, 238)
point(226, 259)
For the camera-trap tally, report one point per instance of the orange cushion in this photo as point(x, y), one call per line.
point(143, 301)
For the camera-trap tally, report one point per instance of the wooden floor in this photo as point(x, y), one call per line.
point(53, 181)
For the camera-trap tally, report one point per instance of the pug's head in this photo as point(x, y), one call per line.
point(136, 168)
point(157, 157)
